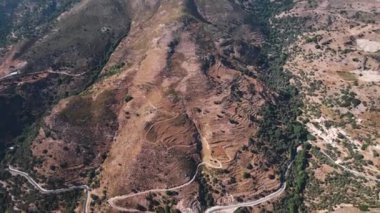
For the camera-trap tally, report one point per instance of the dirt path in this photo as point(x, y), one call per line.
point(66, 73)
point(329, 137)
point(158, 122)
point(354, 172)
point(206, 152)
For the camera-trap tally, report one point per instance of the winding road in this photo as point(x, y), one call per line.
point(9, 75)
point(15, 171)
point(112, 201)
point(252, 203)
point(48, 71)
point(273, 195)
point(248, 203)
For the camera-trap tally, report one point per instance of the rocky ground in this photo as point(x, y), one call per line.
point(337, 66)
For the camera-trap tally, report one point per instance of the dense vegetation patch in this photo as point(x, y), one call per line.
point(280, 133)
point(21, 17)
point(21, 106)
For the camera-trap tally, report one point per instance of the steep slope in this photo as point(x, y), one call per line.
point(179, 90)
point(185, 103)
point(60, 62)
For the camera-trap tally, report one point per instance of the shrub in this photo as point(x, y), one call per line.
point(128, 98)
point(363, 207)
point(249, 166)
point(171, 193)
point(246, 175)
point(140, 207)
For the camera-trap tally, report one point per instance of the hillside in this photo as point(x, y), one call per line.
point(189, 106)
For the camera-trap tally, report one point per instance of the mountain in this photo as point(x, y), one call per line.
point(189, 105)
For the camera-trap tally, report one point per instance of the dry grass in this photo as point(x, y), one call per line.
point(347, 76)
